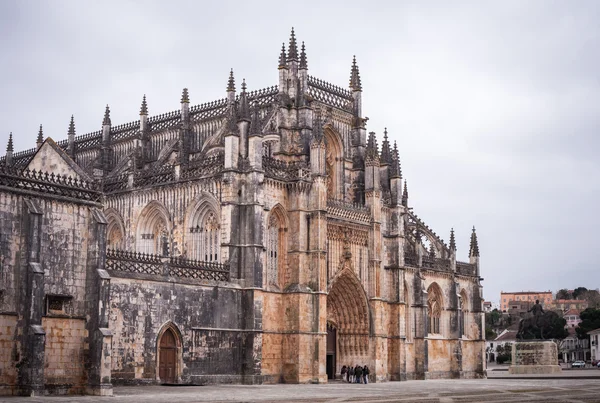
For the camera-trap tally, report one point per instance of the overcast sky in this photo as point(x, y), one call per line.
point(495, 104)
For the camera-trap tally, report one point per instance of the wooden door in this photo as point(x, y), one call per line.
point(167, 370)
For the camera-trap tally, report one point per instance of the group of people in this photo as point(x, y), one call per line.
point(356, 374)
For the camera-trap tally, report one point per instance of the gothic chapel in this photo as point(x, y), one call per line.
point(260, 238)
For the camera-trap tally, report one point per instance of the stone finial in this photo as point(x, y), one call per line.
point(405, 195)
point(106, 120)
point(303, 63)
point(231, 82)
point(144, 108)
point(185, 97)
point(40, 137)
point(244, 109)
point(386, 156)
point(282, 57)
point(452, 240)
point(293, 49)
point(71, 126)
point(9, 146)
point(431, 250)
point(355, 84)
point(317, 134)
point(395, 169)
point(474, 246)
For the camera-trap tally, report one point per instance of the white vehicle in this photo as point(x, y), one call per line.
point(578, 364)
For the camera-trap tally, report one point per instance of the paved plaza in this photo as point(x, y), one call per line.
point(434, 391)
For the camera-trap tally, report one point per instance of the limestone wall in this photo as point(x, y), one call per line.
point(64, 355)
point(8, 353)
point(211, 322)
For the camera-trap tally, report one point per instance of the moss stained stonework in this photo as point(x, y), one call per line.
point(261, 238)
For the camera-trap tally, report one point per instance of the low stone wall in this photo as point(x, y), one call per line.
point(534, 357)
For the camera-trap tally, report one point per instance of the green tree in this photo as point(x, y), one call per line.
point(578, 291)
point(563, 293)
point(489, 333)
point(590, 320)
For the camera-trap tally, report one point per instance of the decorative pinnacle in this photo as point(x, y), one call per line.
point(144, 108)
point(318, 136)
point(231, 82)
point(386, 156)
point(405, 195)
point(474, 247)
point(355, 84)
point(9, 146)
point(72, 126)
point(244, 110)
point(40, 136)
point(372, 146)
point(431, 250)
point(396, 169)
point(452, 240)
point(106, 120)
point(303, 64)
point(185, 97)
point(282, 58)
point(293, 49)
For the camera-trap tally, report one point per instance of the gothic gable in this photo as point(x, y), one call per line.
point(51, 158)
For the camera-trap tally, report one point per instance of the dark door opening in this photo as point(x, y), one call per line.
point(331, 350)
point(167, 370)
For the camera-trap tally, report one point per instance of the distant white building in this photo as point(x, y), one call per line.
point(594, 339)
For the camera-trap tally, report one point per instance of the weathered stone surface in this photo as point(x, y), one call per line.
point(534, 357)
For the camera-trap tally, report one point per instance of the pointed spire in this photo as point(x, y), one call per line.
point(282, 58)
point(386, 156)
point(355, 84)
point(372, 151)
point(474, 246)
point(395, 169)
point(293, 49)
point(303, 64)
point(9, 146)
point(71, 131)
point(405, 195)
point(231, 82)
point(185, 97)
point(431, 250)
point(144, 108)
point(244, 111)
point(106, 120)
point(452, 240)
point(40, 137)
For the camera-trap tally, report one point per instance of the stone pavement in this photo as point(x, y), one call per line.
point(432, 391)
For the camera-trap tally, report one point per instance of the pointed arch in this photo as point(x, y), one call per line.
point(435, 306)
point(153, 234)
point(334, 162)
point(276, 247)
point(115, 230)
point(169, 353)
point(203, 229)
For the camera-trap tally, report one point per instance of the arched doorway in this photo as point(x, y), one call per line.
point(167, 357)
point(348, 321)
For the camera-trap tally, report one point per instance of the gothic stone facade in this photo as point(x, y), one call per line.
point(263, 237)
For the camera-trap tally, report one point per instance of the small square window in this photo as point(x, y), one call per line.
point(59, 304)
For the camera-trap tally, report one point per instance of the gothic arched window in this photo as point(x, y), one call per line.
point(463, 304)
point(153, 230)
point(205, 238)
point(434, 305)
point(275, 247)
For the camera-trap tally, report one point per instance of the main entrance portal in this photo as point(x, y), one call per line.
point(347, 324)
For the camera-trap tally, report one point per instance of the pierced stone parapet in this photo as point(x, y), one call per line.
point(285, 171)
point(174, 266)
point(346, 210)
point(50, 183)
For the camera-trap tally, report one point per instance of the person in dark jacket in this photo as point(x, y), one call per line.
point(351, 375)
point(344, 371)
point(366, 373)
point(358, 374)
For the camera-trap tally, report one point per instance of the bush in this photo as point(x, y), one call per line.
point(503, 358)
